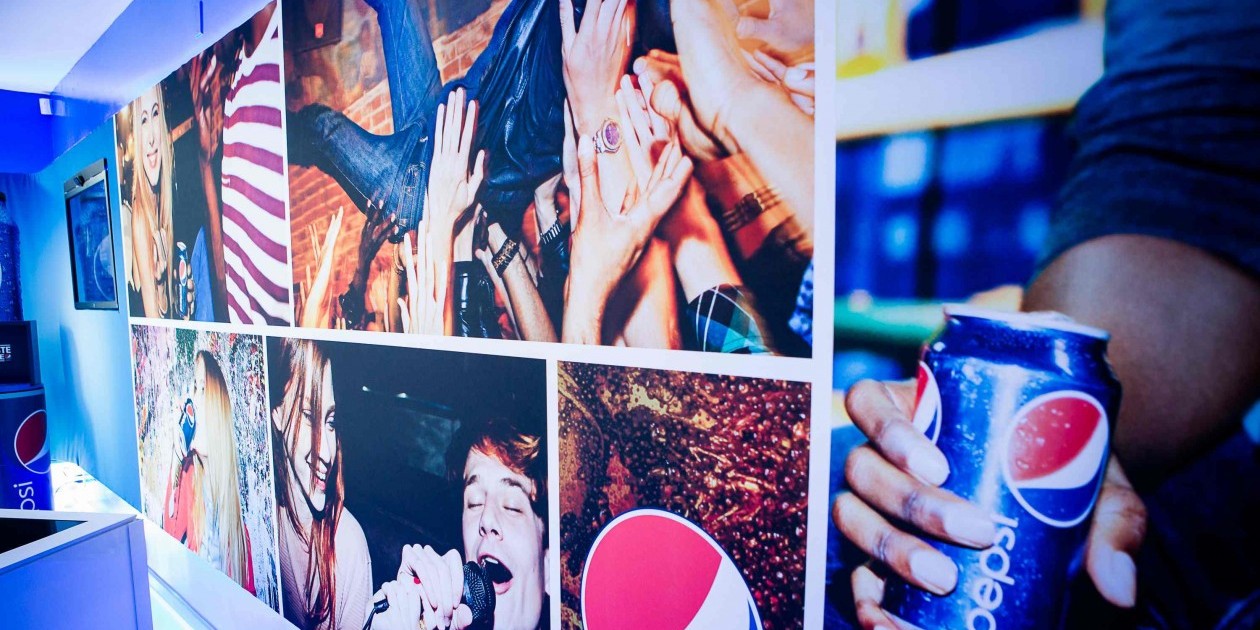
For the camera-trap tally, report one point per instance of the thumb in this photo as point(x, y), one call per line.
point(1119, 525)
point(462, 618)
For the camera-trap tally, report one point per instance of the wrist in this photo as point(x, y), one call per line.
point(591, 116)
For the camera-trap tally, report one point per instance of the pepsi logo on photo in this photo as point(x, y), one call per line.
point(650, 568)
point(927, 404)
point(1055, 456)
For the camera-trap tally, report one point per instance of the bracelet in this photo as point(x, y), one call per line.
point(748, 208)
point(504, 256)
point(552, 233)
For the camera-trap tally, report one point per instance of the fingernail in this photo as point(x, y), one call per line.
point(935, 571)
point(794, 75)
point(743, 28)
point(1120, 579)
point(928, 464)
point(640, 65)
point(965, 524)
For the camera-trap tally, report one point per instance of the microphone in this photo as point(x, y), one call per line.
point(478, 595)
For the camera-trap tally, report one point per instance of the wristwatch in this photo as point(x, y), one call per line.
point(608, 137)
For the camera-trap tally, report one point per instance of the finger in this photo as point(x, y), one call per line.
point(455, 569)
point(868, 592)
point(586, 173)
point(636, 111)
point(756, 28)
point(880, 411)
point(568, 30)
point(776, 68)
point(759, 68)
point(660, 128)
point(404, 315)
point(463, 617)
point(931, 509)
point(802, 102)
point(1119, 525)
point(478, 174)
point(454, 116)
point(617, 19)
point(639, 164)
point(470, 125)
point(799, 80)
point(907, 556)
point(439, 128)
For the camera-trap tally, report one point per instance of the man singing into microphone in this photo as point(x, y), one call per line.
point(504, 508)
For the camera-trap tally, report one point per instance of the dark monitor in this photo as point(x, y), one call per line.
point(19, 355)
point(91, 239)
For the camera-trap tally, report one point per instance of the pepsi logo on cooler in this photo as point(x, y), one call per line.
point(650, 568)
point(1056, 452)
point(927, 404)
point(30, 443)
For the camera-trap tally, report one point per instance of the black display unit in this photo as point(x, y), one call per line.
point(91, 235)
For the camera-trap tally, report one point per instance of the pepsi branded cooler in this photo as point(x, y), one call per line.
point(1020, 406)
point(25, 481)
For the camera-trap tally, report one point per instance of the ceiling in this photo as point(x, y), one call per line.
point(93, 56)
point(41, 41)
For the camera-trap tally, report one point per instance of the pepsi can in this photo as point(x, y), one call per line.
point(1020, 404)
point(25, 481)
point(183, 273)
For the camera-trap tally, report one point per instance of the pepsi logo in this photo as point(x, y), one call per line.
point(650, 568)
point(1056, 453)
point(30, 443)
point(927, 404)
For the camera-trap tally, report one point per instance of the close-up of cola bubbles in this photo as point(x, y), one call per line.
point(729, 454)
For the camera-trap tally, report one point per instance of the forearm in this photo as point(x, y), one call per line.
point(697, 249)
point(644, 308)
point(1183, 325)
point(779, 142)
point(527, 305)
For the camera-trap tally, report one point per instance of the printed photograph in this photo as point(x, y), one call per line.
point(205, 464)
point(201, 174)
point(438, 151)
point(411, 487)
point(683, 499)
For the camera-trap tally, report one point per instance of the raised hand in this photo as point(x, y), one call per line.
point(452, 186)
point(317, 309)
point(595, 56)
point(607, 242)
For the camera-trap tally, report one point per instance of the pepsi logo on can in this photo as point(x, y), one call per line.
point(30, 443)
point(927, 404)
point(1056, 452)
point(649, 568)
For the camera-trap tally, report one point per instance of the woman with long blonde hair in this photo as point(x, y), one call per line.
point(203, 506)
point(150, 206)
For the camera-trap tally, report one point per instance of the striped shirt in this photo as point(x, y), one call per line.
point(254, 188)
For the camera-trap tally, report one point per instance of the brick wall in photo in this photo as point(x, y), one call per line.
point(314, 196)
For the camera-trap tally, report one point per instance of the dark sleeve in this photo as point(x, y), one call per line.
point(1169, 139)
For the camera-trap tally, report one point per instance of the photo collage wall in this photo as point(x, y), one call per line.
point(436, 307)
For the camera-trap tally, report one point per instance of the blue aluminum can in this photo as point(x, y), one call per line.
point(25, 479)
point(1021, 406)
point(183, 271)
